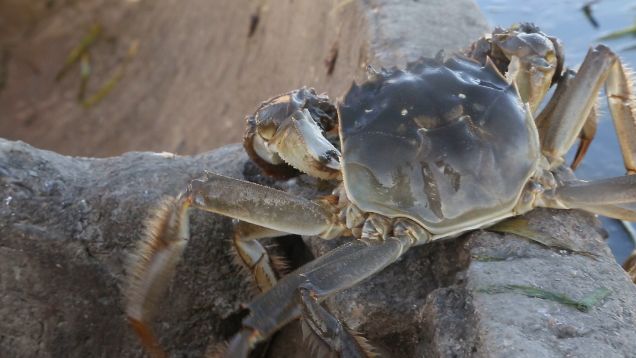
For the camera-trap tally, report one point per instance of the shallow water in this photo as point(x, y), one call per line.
point(567, 21)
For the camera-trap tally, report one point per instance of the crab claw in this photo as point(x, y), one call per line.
point(288, 133)
point(528, 57)
point(534, 61)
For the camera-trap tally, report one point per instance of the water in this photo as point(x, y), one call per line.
point(567, 21)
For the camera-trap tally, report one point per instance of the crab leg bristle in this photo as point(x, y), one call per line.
point(265, 212)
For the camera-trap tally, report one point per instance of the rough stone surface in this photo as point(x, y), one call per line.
point(515, 325)
point(68, 224)
point(66, 228)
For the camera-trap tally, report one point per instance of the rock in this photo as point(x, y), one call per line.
point(68, 224)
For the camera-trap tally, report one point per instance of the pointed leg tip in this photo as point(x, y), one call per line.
point(580, 153)
point(241, 343)
point(148, 339)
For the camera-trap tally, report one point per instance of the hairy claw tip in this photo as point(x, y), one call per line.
point(363, 344)
point(217, 350)
point(280, 264)
point(148, 339)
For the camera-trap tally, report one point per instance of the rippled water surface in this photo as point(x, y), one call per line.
point(567, 21)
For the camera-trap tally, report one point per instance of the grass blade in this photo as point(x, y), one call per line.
point(583, 305)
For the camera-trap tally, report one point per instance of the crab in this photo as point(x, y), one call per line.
point(424, 153)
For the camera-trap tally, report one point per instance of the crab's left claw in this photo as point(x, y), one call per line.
point(529, 58)
point(536, 60)
point(290, 132)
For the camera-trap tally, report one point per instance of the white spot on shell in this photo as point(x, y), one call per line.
point(368, 110)
point(461, 95)
point(404, 112)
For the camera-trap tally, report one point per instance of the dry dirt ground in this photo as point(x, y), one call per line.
point(199, 69)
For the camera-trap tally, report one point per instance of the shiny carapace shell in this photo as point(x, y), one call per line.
point(446, 143)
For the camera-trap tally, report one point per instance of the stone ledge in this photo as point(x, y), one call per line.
point(68, 224)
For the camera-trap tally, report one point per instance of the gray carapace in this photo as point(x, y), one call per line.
point(439, 142)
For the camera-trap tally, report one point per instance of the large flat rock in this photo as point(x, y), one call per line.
point(67, 226)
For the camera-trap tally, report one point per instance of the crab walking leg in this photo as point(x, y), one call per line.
point(325, 333)
point(269, 211)
point(152, 266)
point(625, 212)
point(298, 293)
point(630, 266)
point(263, 206)
point(253, 256)
point(561, 128)
point(618, 89)
point(589, 128)
point(617, 190)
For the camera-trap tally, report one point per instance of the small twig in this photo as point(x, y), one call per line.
point(85, 73)
point(587, 11)
point(114, 79)
point(76, 53)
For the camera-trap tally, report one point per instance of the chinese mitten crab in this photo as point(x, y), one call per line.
point(419, 154)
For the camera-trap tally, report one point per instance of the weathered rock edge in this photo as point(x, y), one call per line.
point(68, 224)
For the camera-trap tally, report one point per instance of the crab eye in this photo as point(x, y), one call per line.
point(269, 119)
point(542, 63)
point(266, 129)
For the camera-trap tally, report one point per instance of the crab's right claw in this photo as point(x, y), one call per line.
point(287, 135)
